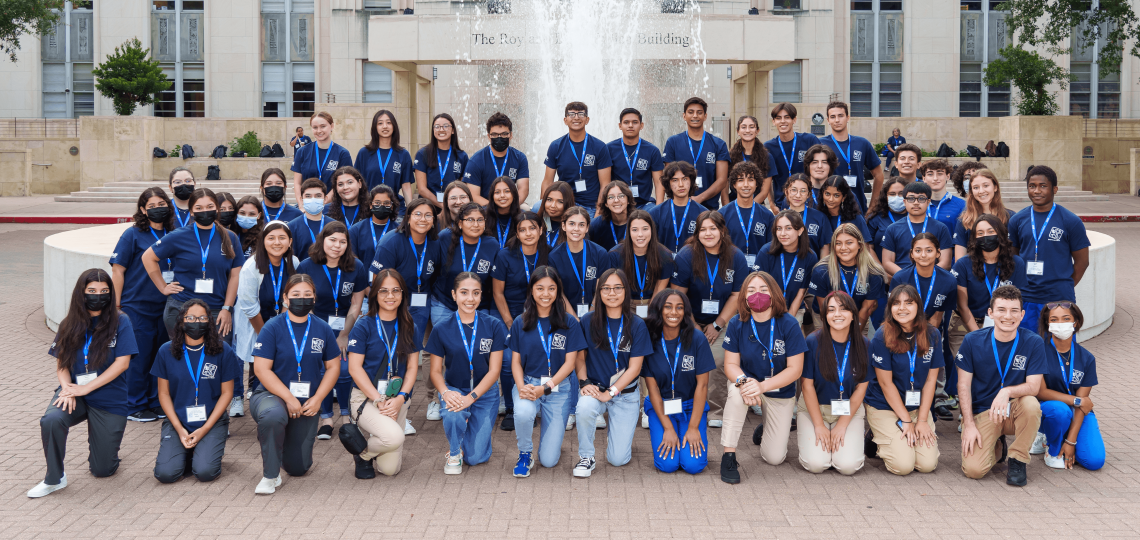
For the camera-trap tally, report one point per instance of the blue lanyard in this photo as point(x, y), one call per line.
point(1009, 362)
point(814, 199)
point(169, 263)
point(641, 282)
point(748, 229)
point(345, 214)
point(546, 344)
point(276, 282)
point(499, 171)
point(205, 250)
point(384, 164)
point(624, 233)
point(784, 275)
point(555, 241)
point(837, 222)
point(86, 347)
point(910, 225)
point(469, 348)
point(845, 155)
point(419, 260)
point(527, 265)
point(372, 229)
point(842, 371)
point(891, 214)
point(1033, 227)
point(580, 160)
point(712, 274)
point(336, 288)
point(501, 232)
point(854, 281)
point(677, 231)
point(986, 278)
point(441, 165)
point(929, 290)
point(771, 343)
point(299, 350)
point(194, 375)
point(672, 372)
point(268, 215)
point(1061, 361)
point(632, 160)
point(463, 253)
point(317, 155)
point(182, 221)
point(389, 344)
point(574, 265)
point(938, 208)
point(789, 160)
point(912, 355)
point(313, 235)
point(614, 346)
point(700, 149)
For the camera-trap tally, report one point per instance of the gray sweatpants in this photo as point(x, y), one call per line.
point(204, 460)
point(104, 435)
point(285, 442)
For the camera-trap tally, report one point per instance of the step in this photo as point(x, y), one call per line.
point(128, 191)
point(1020, 186)
point(1087, 197)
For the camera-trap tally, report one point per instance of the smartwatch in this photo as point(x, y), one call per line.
point(228, 308)
point(407, 396)
point(613, 391)
point(1076, 402)
point(546, 389)
point(474, 395)
point(717, 326)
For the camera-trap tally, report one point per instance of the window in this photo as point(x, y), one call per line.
point(288, 71)
point(1108, 96)
point(876, 58)
point(997, 100)
point(970, 90)
point(167, 103)
point(377, 83)
point(177, 36)
point(983, 34)
point(304, 90)
point(778, 5)
point(68, 87)
point(890, 90)
point(1090, 94)
point(194, 90)
point(1079, 89)
point(786, 83)
point(861, 89)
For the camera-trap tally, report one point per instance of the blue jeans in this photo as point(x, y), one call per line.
point(470, 430)
point(682, 459)
point(554, 409)
point(1032, 316)
point(589, 209)
point(439, 313)
point(624, 410)
point(1055, 419)
point(649, 205)
point(506, 379)
point(421, 316)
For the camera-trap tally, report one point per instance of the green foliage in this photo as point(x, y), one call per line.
point(1052, 24)
point(129, 79)
point(1030, 73)
point(248, 143)
point(176, 151)
point(962, 154)
point(927, 153)
point(879, 148)
point(19, 17)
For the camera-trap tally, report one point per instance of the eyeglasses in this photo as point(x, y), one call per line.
point(1062, 304)
point(423, 216)
point(461, 199)
point(442, 127)
point(389, 292)
point(192, 319)
point(613, 290)
point(475, 221)
point(919, 200)
point(500, 136)
point(552, 200)
point(618, 197)
point(181, 182)
point(576, 114)
point(798, 191)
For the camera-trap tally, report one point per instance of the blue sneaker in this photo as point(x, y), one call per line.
point(525, 464)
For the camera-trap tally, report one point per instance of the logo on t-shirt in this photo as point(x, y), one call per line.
point(938, 300)
point(485, 345)
point(758, 230)
point(688, 363)
point(727, 339)
point(484, 265)
point(430, 267)
point(857, 155)
point(1019, 362)
point(778, 347)
point(876, 359)
point(588, 160)
point(728, 275)
point(396, 167)
point(710, 157)
point(351, 342)
point(114, 340)
point(332, 165)
point(457, 167)
point(1078, 376)
point(558, 341)
point(591, 272)
point(861, 288)
point(813, 229)
point(512, 173)
point(929, 354)
point(800, 274)
point(692, 227)
point(642, 164)
point(346, 288)
point(1055, 234)
point(209, 371)
point(800, 155)
point(318, 345)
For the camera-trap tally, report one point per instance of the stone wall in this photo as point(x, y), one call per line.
point(248, 168)
point(51, 167)
point(117, 148)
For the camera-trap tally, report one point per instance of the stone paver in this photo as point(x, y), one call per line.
point(486, 501)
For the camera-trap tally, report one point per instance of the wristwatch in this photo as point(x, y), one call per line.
point(407, 396)
point(717, 326)
point(228, 308)
point(1076, 402)
point(474, 395)
point(546, 389)
point(613, 391)
point(741, 379)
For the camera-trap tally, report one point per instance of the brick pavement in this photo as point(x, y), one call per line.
point(486, 501)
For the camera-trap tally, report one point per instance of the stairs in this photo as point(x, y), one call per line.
point(128, 192)
point(1014, 192)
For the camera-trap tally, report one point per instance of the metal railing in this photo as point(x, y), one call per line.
point(28, 128)
point(1112, 128)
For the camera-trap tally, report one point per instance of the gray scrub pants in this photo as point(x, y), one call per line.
point(173, 308)
point(285, 442)
point(104, 435)
point(204, 460)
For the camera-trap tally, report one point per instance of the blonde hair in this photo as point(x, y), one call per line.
point(973, 208)
point(865, 263)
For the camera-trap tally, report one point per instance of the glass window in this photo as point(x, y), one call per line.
point(163, 5)
point(193, 90)
point(1108, 97)
point(273, 90)
point(886, 5)
point(55, 90)
point(785, 4)
point(971, 5)
point(786, 83)
point(861, 89)
point(83, 89)
point(304, 90)
point(997, 102)
point(377, 83)
point(192, 5)
point(167, 103)
point(1080, 89)
point(970, 90)
point(861, 5)
point(890, 89)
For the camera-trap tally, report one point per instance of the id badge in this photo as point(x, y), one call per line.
point(168, 276)
point(700, 181)
point(204, 286)
point(988, 322)
point(439, 196)
point(196, 414)
point(1035, 268)
point(544, 380)
point(616, 376)
point(634, 190)
point(710, 307)
point(642, 311)
point(851, 180)
point(299, 389)
point(337, 323)
point(382, 386)
point(841, 407)
point(912, 398)
point(751, 259)
point(583, 309)
point(580, 186)
point(84, 378)
point(672, 406)
point(419, 299)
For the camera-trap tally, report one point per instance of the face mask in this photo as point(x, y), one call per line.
point(158, 215)
point(246, 222)
point(183, 191)
point(381, 212)
point(988, 243)
point(205, 218)
point(897, 204)
point(966, 186)
point(96, 302)
point(274, 194)
point(314, 206)
point(227, 217)
point(500, 143)
point(1063, 330)
point(195, 330)
point(301, 306)
point(759, 301)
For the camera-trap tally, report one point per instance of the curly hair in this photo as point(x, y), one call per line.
point(848, 206)
point(213, 340)
point(142, 222)
point(1005, 250)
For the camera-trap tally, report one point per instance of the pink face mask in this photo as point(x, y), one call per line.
point(759, 301)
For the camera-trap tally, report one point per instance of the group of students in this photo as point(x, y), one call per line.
point(659, 288)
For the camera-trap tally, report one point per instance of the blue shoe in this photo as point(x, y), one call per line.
point(525, 464)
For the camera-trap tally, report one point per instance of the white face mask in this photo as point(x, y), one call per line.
point(896, 203)
point(966, 185)
point(314, 206)
point(1063, 330)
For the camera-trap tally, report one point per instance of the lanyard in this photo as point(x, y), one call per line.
point(551, 243)
point(86, 347)
point(299, 350)
point(194, 375)
point(276, 282)
point(580, 160)
point(672, 372)
point(912, 355)
point(986, 278)
point(632, 160)
point(527, 265)
point(469, 348)
point(837, 222)
point(268, 215)
point(389, 344)
point(336, 288)
point(624, 233)
point(891, 214)
point(419, 260)
point(182, 221)
point(574, 265)
point(312, 235)
point(372, 229)
point(641, 282)
point(1033, 227)
point(854, 281)
point(345, 214)
point(846, 156)
point(205, 250)
point(929, 290)
point(169, 263)
point(784, 272)
point(910, 224)
point(501, 232)
point(678, 230)
point(463, 253)
point(384, 164)
point(700, 149)
point(317, 155)
point(441, 164)
point(546, 344)
point(938, 208)
point(712, 274)
point(1061, 361)
point(1009, 362)
point(747, 230)
point(842, 369)
point(499, 171)
point(771, 343)
point(614, 346)
point(789, 158)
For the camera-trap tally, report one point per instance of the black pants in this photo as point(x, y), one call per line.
point(286, 443)
point(204, 460)
point(104, 435)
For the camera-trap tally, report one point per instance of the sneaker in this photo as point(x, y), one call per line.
point(525, 464)
point(870, 449)
point(502, 406)
point(793, 424)
point(364, 469)
point(952, 403)
point(1054, 462)
point(600, 423)
point(433, 410)
point(585, 467)
point(44, 489)
point(454, 464)
point(756, 410)
point(145, 415)
point(324, 433)
point(758, 434)
point(570, 423)
point(408, 429)
point(237, 407)
point(943, 413)
point(268, 485)
point(508, 423)
point(1004, 452)
point(644, 420)
point(158, 413)
point(728, 469)
point(1038, 447)
point(716, 422)
point(1015, 476)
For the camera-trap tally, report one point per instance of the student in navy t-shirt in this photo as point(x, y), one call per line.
point(465, 246)
point(1070, 431)
point(855, 154)
point(706, 152)
point(748, 148)
point(788, 258)
point(182, 186)
point(989, 264)
point(838, 204)
point(788, 147)
point(797, 193)
point(413, 251)
point(893, 143)
point(636, 161)
point(366, 234)
point(749, 221)
point(611, 224)
point(321, 159)
point(937, 288)
point(497, 160)
point(578, 159)
point(850, 268)
point(441, 162)
point(502, 209)
point(897, 239)
point(349, 203)
point(888, 208)
point(944, 206)
point(273, 205)
point(676, 216)
point(384, 162)
point(647, 264)
point(983, 197)
point(580, 261)
point(305, 228)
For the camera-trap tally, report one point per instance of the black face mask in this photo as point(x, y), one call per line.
point(988, 243)
point(158, 214)
point(97, 302)
point(183, 191)
point(500, 143)
point(195, 330)
point(205, 218)
point(274, 194)
point(381, 212)
point(301, 306)
point(227, 217)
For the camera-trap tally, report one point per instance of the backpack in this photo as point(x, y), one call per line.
point(219, 151)
point(991, 149)
point(1002, 149)
point(974, 152)
point(278, 151)
point(945, 151)
point(158, 152)
point(266, 151)
point(213, 172)
point(238, 154)
point(187, 151)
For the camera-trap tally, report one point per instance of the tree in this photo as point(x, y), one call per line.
point(129, 79)
point(19, 17)
point(1052, 23)
point(1030, 73)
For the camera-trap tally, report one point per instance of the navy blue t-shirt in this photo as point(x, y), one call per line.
point(374, 343)
point(855, 154)
point(635, 166)
point(453, 167)
point(703, 157)
point(579, 280)
point(314, 162)
point(962, 237)
point(305, 232)
point(483, 168)
point(182, 217)
point(675, 224)
point(826, 390)
point(275, 343)
point(478, 257)
point(725, 282)
point(629, 335)
point(899, 366)
point(269, 295)
point(365, 235)
point(606, 233)
point(977, 291)
point(878, 228)
point(764, 351)
point(350, 215)
point(502, 226)
point(820, 285)
point(490, 335)
point(139, 292)
point(1077, 368)
point(943, 296)
point(898, 236)
point(399, 252)
point(647, 282)
point(785, 154)
point(335, 287)
point(184, 247)
point(1065, 234)
point(215, 370)
point(819, 229)
point(790, 270)
point(111, 397)
point(675, 368)
point(860, 222)
point(946, 210)
point(757, 221)
point(528, 344)
point(514, 268)
point(576, 160)
point(286, 212)
point(397, 171)
point(976, 356)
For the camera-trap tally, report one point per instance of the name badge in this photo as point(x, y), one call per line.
point(382, 387)
point(583, 309)
point(168, 276)
point(988, 322)
point(616, 376)
point(851, 180)
point(580, 186)
point(710, 307)
point(196, 414)
point(299, 389)
point(642, 311)
point(419, 299)
point(672, 406)
point(439, 196)
point(634, 190)
point(841, 407)
point(912, 398)
point(337, 323)
point(544, 380)
point(204, 286)
point(751, 259)
point(700, 181)
point(85, 378)
point(1035, 268)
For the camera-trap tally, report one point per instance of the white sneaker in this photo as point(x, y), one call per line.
point(570, 423)
point(600, 423)
point(585, 467)
point(756, 410)
point(433, 410)
point(1054, 462)
point(715, 423)
point(454, 464)
point(237, 408)
point(644, 420)
point(502, 406)
point(408, 429)
point(43, 489)
point(1039, 443)
point(268, 485)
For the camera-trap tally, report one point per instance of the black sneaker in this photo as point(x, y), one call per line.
point(1004, 450)
point(758, 434)
point(793, 424)
point(1015, 476)
point(158, 413)
point(325, 433)
point(364, 469)
point(943, 413)
point(508, 423)
point(729, 472)
point(145, 415)
point(870, 449)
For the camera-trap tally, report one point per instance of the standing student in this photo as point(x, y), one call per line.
point(897, 239)
point(906, 357)
point(797, 191)
point(182, 186)
point(748, 148)
point(821, 165)
point(888, 208)
point(676, 215)
point(578, 159)
point(856, 154)
point(306, 228)
point(944, 206)
point(248, 223)
point(607, 374)
point(840, 206)
point(273, 205)
point(851, 267)
point(497, 160)
point(441, 162)
point(92, 348)
point(384, 162)
point(319, 160)
point(893, 142)
point(545, 343)
point(937, 288)
point(984, 197)
point(140, 299)
point(763, 358)
point(1053, 242)
point(789, 147)
point(677, 375)
point(366, 234)
point(503, 208)
point(196, 371)
point(834, 385)
point(747, 218)
point(789, 258)
point(1000, 371)
point(299, 140)
point(456, 195)
point(297, 361)
point(349, 204)
point(556, 199)
point(989, 264)
point(466, 247)
point(611, 225)
point(909, 156)
point(643, 258)
point(706, 152)
point(640, 162)
point(382, 360)
point(465, 371)
point(580, 260)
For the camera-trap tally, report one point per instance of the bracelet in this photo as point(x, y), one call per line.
point(1067, 441)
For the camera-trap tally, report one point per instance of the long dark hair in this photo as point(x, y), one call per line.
point(200, 193)
point(1005, 249)
point(598, 335)
point(828, 365)
point(656, 323)
point(759, 153)
point(72, 332)
point(249, 237)
point(142, 223)
point(374, 144)
point(893, 331)
point(653, 262)
point(604, 211)
point(262, 256)
point(513, 242)
point(557, 309)
point(407, 335)
point(225, 197)
point(700, 253)
point(513, 209)
point(848, 206)
point(405, 227)
point(212, 341)
point(803, 243)
point(880, 207)
point(457, 231)
point(317, 253)
point(363, 201)
point(567, 199)
point(433, 144)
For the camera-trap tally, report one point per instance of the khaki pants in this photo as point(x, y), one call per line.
point(847, 460)
point(1022, 423)
point(385, 435)
point(778, 414)
point(900, 457)
point(717, 379)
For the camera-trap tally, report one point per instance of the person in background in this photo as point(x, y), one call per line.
point(611, 225)
point(578, 159)
point(182, 186)
point(319, 160)
point(749, 235)
point(789, 148)
point(748, 148)
point(839, 206)
point(984, 197)
point(643, 163)
point(384, 162)
point(349, 204)
point(707, 153)
point(676, 216)
point(962, 175)
point(888, 208)
point(273, 187)
point(484, 166)
point(227, 211)
point(821, 165)
point(857, 154)
point(893, 142)
point(943, 206)
point(436, 169)
point(909, 157)
point(299, 140)
point(457, 195)
point(305, 229)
